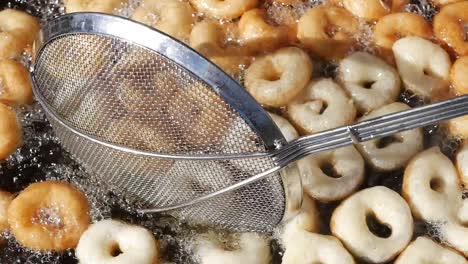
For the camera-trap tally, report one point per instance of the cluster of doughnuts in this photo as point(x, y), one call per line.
point(55, 216)
point(17, 32)
point(278, 64)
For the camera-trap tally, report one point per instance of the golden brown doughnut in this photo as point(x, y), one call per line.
point(372, 9)
point(328, 31)
point(15, 86)
point(450, 26)
point(256, 34)
point(49, 216)
point(276, 78)
point(459, 75)
point(10, 131)
point(17, 31)
point(392, 27)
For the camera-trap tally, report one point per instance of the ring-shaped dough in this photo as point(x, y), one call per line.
point(450, 25)
point(10, 132)
point(15, 86)
point(371, 82)
point(424, 67)
point(349, 224)
point(329, 31)
point(424, 250)
point(459, 75)
point(276, 78)
point(322, 105)
point(102, 240)
point(49, 216)
point(398, 150)
point(347, 167)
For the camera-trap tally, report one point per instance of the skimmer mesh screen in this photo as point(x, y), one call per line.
point(123, 94)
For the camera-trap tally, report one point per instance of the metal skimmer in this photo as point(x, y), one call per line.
point(157, 121)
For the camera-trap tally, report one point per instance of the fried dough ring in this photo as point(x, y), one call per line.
point(256, 34)
point(347, 164)
point(450, 26)
point(100, 241)
point(49, 216)
point(328, 31)
point(424, 250)
point(396, 154)
point(15, 86)
point(278, 77)
point(10, 132)
point(371, 82)
point(459, 75)
point(370, 10)
point(322, 105)
point(424, 67)
point(349, 224)
point(18, 30)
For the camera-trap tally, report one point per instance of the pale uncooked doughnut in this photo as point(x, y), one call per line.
point(101, 240)
point(321, 105)
point(371, 82)
point(424, 250)
point(424, 66)
point(397, 154)
point(349, 224)
point(346, 162)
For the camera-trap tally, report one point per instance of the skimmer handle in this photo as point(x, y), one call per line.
point(344, 136)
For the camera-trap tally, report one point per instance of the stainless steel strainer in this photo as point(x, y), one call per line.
point(157, 121)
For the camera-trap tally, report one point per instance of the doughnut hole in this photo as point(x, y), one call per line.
point(377, 227)
point(370, 81)
point(332, 175)
point(15, 86)
point(10, 132)
point(328, 169)
point(450, 27)
point(387, 141)
point(459, 76)
point(115, 250)
point(328, 31)
point(378, 240)
point(392, 152)
point(322, 105)
point(424, 67)
point(292, 65)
